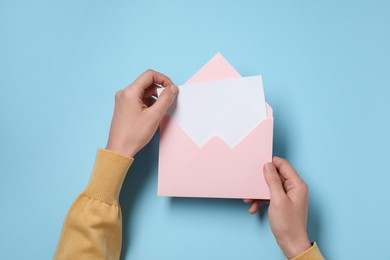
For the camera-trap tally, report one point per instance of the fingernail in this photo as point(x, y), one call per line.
point(174, 89)
point(269, 167)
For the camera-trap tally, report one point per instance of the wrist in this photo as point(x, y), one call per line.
point(293, 247)
point(127, 151)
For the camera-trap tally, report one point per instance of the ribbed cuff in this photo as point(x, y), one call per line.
point(313, 253)
point(108, 175)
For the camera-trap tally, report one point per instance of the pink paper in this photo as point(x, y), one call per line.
point(214, 170)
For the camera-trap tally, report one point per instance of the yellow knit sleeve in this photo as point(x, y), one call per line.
point(93, 226)
point(313, 253)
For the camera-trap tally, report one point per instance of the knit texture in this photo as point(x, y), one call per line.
point(93, 226)
point(313, 253)
point(108, 175)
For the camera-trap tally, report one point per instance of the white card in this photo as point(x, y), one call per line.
point(229, 109)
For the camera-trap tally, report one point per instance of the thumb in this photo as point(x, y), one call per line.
point(165, 100)
point(273, 181)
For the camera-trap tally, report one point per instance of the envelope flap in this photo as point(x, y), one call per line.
point(218, 68)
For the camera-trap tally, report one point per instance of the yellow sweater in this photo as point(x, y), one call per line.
point(93, 226)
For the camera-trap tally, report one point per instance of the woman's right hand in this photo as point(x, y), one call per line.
point(287, 212)
point(136, 115)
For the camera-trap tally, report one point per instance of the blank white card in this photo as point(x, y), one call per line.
point(229, 109)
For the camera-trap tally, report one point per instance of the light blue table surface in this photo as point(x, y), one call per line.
point(326, 71)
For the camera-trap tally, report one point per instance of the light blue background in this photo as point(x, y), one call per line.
point(326, 68)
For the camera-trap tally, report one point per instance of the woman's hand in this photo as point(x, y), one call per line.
point(288, 207)
point(136, 115)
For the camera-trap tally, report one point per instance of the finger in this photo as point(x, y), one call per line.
point(149, 78)
point(247, 200)
point(273, 181)
point(164, 101)
point(286, 171)
point(255, 207)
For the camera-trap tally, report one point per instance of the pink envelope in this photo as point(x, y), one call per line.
point(214, 170)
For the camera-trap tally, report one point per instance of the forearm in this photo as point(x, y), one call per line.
point(93, 226)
